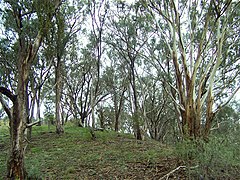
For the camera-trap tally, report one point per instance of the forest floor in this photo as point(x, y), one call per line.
point(74, 155)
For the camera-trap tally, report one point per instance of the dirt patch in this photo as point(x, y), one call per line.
point(134, 170)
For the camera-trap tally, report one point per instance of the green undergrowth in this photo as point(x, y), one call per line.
point(4, 146)
point(219, 158)
point(74, 153)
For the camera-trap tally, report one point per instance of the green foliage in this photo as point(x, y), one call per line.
point(126, 38)
point(4, 128)
point(45, 11)
point(228, 119)
point(34, 171)
point(217, 158)
point(4, 146)
point(49, 117)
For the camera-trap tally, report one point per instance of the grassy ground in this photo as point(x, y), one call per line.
point(74, 155)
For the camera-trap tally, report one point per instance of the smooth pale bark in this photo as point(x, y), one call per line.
point(38, 107)
point(29, 119)
point(195, 77)
point(98, 23)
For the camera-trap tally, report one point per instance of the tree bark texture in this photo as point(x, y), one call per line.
point(118, 108)
point(16, 169)
point(136, 123)
point(59, 127)
point(17, 123)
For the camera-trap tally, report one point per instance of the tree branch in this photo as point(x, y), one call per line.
point(32, 124)
point(7, 93)
point(228, 100)
point(5, 107)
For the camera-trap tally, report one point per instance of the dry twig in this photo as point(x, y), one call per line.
point(171, 172)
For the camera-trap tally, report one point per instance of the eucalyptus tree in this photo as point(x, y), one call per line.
point(29, 39)
point(78, 80)
point(117, 85)
point(129, 33)
point(201, 39)
point(98, 11)
point(40, 72)
point(156, 107)
point(68, 22)
point(61, 41)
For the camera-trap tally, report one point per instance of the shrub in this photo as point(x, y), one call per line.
point(219, 158)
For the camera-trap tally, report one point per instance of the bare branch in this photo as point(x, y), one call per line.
point(8, 93)
point(5, 107)
point(32, 124)
point(175, 101)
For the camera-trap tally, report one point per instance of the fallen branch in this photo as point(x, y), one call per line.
point(171, 172)
point(32, 124)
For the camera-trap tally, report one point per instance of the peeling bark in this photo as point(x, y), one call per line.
point(16, 169)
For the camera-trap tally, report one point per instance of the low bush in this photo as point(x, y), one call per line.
point(218, 158)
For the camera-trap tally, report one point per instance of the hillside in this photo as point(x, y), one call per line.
point(75, 155)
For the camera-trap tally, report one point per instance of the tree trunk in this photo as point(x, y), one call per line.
point(38, 107)
point(116, 123)
point(210, 115)
point(116, 126)
point(136, 123)
point(136, 126)
point(93, 105)
point(118, 108)
point(59, 127)
point(15, 165)
point(27, 52)
point(16, 169)
point(101, 118)
point(29, 119)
